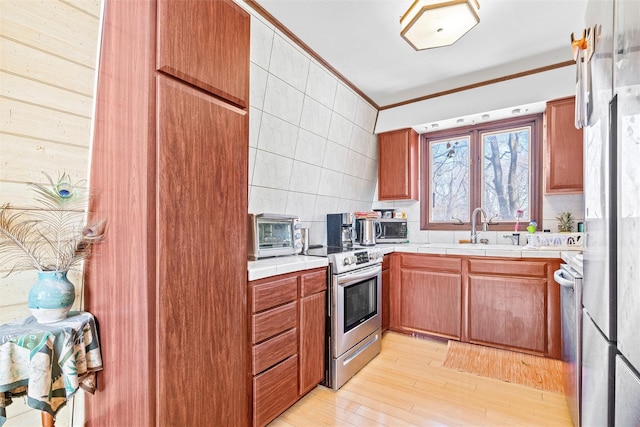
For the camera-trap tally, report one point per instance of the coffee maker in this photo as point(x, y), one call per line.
point(340, 230)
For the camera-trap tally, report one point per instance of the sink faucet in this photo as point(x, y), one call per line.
point(474, 233)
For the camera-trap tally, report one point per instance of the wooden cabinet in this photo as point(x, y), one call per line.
point(429, 295)
point(170, 300)
point(287, 333)
point(313, 298)
point(386, 287)
point(501, 302)
point(563, 149)
point(194, 40)
point(398, 165)
point(514, 304)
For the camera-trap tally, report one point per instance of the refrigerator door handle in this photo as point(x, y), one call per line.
point(558, 277)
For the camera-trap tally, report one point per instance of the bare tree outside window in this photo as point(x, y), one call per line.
point(450, 180)
point(506, 182)
point(493, 165)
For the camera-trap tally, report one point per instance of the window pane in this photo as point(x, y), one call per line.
point(449, 170)
point(505, 178)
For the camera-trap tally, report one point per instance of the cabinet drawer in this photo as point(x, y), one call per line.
point(432, 262)
point(276, 349)
point(313, 283)
point(274, 321)
point(503, 267)
point(274, 391)
point(272, 294)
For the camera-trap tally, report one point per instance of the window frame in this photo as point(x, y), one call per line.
point(475, 170)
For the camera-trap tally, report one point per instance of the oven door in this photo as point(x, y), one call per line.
point(356, 307)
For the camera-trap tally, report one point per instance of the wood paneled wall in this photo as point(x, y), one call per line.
point(47, 78)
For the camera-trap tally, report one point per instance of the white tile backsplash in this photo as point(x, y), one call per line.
point(252, 163)
point(330, 183)
point(355, 164)
point(302, 122)
point(267, 200)
point(335, 157)
point(255, 117)
point(283, 100)
point(346, 102)
point(310, 148)
point(554, 205)
point(301, 204)
point(340, 130)
point(316, 117)
point(277, 136)
point(258, 77)
point(365, 115)
point(305, 178)
point(324, 206)
point(261, 42)
point(321, 85)
point(272, 171)
point(288, 63)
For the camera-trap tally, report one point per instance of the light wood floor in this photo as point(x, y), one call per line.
point(406, 385)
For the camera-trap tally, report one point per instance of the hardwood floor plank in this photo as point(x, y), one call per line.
point(406, 385)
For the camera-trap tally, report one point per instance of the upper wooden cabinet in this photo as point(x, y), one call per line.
point(398, 165)
point(204, 43)
point(563, 149)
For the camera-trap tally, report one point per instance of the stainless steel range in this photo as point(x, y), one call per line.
point(353, 311)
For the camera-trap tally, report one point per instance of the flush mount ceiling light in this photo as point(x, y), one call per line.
point(431, 23)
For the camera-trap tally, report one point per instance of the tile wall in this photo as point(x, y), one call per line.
point(312, 150)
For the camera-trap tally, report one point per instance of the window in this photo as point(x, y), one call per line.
point(496, 166)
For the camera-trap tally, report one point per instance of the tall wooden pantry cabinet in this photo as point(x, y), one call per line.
point(169, 173)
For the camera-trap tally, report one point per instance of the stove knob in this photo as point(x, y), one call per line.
point(346, 261)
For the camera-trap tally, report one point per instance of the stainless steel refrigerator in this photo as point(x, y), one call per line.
point(609, 96)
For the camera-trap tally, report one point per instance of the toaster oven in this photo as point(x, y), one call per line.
point(273, 235)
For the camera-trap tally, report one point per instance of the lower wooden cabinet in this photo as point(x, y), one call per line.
point(429, 294)
point(288, 317)
point(514, 304)
point(510, 303)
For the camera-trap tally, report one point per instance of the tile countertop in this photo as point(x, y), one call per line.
point(479, 249)
point(280, 265)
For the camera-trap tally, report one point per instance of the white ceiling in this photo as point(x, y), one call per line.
point(361, 40)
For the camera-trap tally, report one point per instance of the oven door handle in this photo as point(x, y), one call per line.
point(360, 275)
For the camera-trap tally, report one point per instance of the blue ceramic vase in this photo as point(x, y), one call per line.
point(51, 297)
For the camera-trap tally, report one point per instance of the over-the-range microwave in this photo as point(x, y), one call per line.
point(273, 235)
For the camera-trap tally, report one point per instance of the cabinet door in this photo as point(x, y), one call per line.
point(201, 284)
point(398, 165)
point(431, 302)
point(563, 150)
point(312, 331)
point(508, 311)
point(206, 43)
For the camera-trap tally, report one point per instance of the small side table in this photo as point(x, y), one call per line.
point(48, 362)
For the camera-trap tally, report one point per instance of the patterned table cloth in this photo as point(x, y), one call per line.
point(48, 362)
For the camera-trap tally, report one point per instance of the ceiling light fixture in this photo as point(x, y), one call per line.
point(432, 23)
